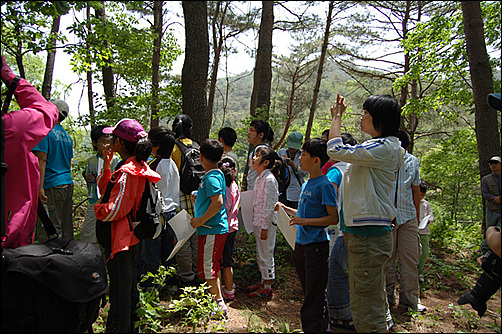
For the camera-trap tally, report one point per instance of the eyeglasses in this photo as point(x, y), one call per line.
point(252, 130)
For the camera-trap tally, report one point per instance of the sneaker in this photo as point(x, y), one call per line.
point(390, 324)
point(421, 278)
point(262, 292)
point(252, 288)
point(419, 308)
point(228, 295)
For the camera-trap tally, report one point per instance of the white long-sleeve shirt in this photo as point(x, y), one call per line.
point(266, 194)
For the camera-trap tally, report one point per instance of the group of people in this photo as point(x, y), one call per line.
point(372, 191)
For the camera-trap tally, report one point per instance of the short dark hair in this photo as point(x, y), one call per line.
point(404, 138)
point(348, 139)
point(317, 147)
point(262, 126)
point(228, 135)
point(325, 132)
point(163, 138)
point(212, 150)
point(96, 133)
point(386, 113)
point(141, 149)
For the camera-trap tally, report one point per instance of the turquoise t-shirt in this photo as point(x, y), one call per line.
point(58, 146)
point(213, 183)
point(334, 175)
point(316, 194)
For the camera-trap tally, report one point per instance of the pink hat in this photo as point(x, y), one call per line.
point(127, 129)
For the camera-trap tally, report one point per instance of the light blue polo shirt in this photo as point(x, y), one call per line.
point(213, 183)
point(58, 146)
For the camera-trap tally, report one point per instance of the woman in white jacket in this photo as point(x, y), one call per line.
point(368, 209)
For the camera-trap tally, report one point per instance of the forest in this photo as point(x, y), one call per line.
point(439, 59)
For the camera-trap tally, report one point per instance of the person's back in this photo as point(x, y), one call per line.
point(23, 129)
point(291, 155)
point(55, 153)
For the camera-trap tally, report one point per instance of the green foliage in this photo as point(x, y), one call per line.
point(150, 312)
point(195, 307)
point(451, 168)
point(436, 49)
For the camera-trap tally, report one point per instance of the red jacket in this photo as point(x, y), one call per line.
point(125, 196)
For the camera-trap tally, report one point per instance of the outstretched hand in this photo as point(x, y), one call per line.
point(339, 107)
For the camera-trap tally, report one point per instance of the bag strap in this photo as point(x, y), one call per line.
point(46, 221)
point(294, 172)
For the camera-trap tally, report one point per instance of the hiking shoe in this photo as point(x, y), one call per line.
point(261, 292)
point(228, 295)
point(252, 288)
point(346, 324)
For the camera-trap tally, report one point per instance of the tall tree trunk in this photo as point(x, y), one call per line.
point(51, 57)
point(217, 30)
point(319, 71)
point(262, 79)
point(157, 45)
point(195, 68)
point(90, 98)
point(487, 126)
point(260, 97)
point(107, 70)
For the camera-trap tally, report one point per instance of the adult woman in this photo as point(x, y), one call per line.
point(368, 209)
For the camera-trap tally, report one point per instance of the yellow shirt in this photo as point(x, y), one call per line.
point(176, 153)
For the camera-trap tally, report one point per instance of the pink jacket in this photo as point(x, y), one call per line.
point(23, 130)
point(125, 196)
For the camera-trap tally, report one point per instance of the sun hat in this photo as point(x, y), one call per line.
point(62, 107)
point(494, 158)
point(493, 101)
point(127, 129)
point(295, 140)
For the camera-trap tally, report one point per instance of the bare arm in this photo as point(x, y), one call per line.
point(42, 162)
point(214, 207)
point(330, 219)
point(337, 111)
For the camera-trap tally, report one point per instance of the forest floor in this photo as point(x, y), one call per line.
point(449, 274)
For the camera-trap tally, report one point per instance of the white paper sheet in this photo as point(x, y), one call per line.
point(288, 231)
point(183, 230)
point(424, 222)
point(247, 198)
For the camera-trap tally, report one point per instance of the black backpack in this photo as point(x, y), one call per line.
point(147, 222)
point(283, 176)
point(191, 171)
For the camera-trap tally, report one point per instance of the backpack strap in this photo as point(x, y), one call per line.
point(294, 172)
point(46, 221)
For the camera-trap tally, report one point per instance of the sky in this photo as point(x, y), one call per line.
point(237, 63)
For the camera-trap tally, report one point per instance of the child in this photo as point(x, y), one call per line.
point(266, 194)
point(425, 233)
point(94, 166)
point(259, 134)
point(317, 209)
point(211, 218)
point(155, 251)
point(227, 136)
point(130, 141)
point(233, 199)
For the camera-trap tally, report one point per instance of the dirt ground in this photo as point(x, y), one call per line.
point(439, 294)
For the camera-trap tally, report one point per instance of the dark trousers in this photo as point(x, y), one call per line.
point(312, 266)
point(123, 293)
